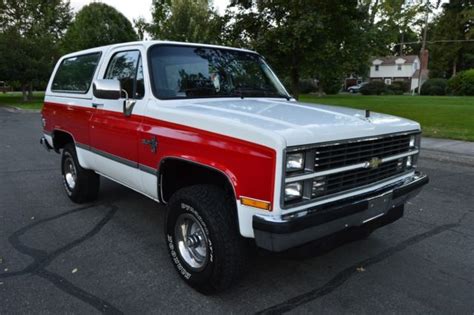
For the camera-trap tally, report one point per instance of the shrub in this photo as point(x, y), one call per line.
point(373, 88)
point(462, 83)
point(331, 84)
point(434, 87)
point(398, 87)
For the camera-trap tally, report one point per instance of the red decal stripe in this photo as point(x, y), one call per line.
point(249, 166)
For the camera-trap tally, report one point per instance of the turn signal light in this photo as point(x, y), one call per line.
point(256, 203)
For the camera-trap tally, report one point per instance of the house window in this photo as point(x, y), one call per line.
point(399, 67)
point(376, 67)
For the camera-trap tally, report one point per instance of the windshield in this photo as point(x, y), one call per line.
point(194, 72)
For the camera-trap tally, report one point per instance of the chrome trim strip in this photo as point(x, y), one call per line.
point(83, 146)
point(398, 156)
point(373, 218)
point(115, 158)
point(118, 159)
point(327, 172)
point(347, 168)
point(147, 169)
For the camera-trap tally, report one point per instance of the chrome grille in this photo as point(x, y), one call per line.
point(334, 168)
point(359, 177)
point(344, 154)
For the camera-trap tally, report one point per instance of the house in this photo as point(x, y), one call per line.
point(400, 68)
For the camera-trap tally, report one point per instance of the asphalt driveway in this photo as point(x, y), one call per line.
point(110, 256)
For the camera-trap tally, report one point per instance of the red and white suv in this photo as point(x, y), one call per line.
point(211, 132)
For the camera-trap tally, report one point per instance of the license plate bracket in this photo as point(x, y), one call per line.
point(378, 206)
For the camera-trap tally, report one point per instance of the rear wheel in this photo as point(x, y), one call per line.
point(81, 185)
point(203, 238)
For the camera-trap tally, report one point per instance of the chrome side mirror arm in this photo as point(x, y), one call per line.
point(128, 104)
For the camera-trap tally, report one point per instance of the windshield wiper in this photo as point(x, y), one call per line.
point(256, 91)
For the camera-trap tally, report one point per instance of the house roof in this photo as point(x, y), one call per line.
point(390, 60)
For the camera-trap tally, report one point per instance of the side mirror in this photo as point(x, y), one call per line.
point(107, 89)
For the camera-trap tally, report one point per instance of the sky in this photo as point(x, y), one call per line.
point(133, 9)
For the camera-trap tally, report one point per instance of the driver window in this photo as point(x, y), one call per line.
point(127, 67)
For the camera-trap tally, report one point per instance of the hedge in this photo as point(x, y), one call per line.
point(373, 88)
point(462, 83)
point(434, 87)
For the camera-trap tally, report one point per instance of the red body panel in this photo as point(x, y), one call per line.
point(250, 167)
point(70, 118)
point(115, 133)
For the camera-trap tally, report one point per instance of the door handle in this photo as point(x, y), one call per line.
point(95, 105)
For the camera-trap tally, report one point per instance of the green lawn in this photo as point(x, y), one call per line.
point(15, 99)
point(440, 116)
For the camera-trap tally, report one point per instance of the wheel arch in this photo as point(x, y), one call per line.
point(61, 138)
point(170, 181)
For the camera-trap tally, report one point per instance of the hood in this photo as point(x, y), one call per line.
point(298, 123)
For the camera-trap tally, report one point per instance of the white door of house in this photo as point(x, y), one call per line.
point(388, 81)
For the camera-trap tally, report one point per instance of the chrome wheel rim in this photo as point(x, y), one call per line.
point(70, 174)
point(191, 241)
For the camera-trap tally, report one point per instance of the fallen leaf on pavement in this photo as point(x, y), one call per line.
point(360, 269)
point(74, 270)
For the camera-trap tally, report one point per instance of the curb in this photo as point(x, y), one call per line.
point(14, 109)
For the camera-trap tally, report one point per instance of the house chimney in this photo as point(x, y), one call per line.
point(424, 59)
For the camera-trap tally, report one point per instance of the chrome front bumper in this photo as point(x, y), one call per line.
point(382, 207)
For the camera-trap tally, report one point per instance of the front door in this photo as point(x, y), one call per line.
point(114, 136)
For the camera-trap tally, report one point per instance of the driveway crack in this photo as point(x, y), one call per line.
point(42, 259)
point(340, 278)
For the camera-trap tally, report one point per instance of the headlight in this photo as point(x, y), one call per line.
point(293, 191)
point(294, 162)
point(409, 162)
point(412, 141)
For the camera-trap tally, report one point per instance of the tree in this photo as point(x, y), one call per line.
point(392, 22)
point(185, 20)
point(29, 39)
point(98, 24)
point(321, 39)
point(141, 26)
point(456, 22)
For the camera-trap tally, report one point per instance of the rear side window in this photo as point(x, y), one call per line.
point(75, 74)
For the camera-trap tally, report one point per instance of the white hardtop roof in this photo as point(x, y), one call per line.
point(147, 44)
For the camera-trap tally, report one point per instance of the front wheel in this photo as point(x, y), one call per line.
point(81, 185)
point(203, 238)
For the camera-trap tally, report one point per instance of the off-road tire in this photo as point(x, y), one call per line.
point(86, 183)
point(228, 253)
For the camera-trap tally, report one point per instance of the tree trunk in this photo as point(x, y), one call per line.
point(30, 91)
point(295, 79)
point(24, 92)
point(454, 68)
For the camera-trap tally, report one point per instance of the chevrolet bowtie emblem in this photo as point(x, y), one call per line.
point(374, 163)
